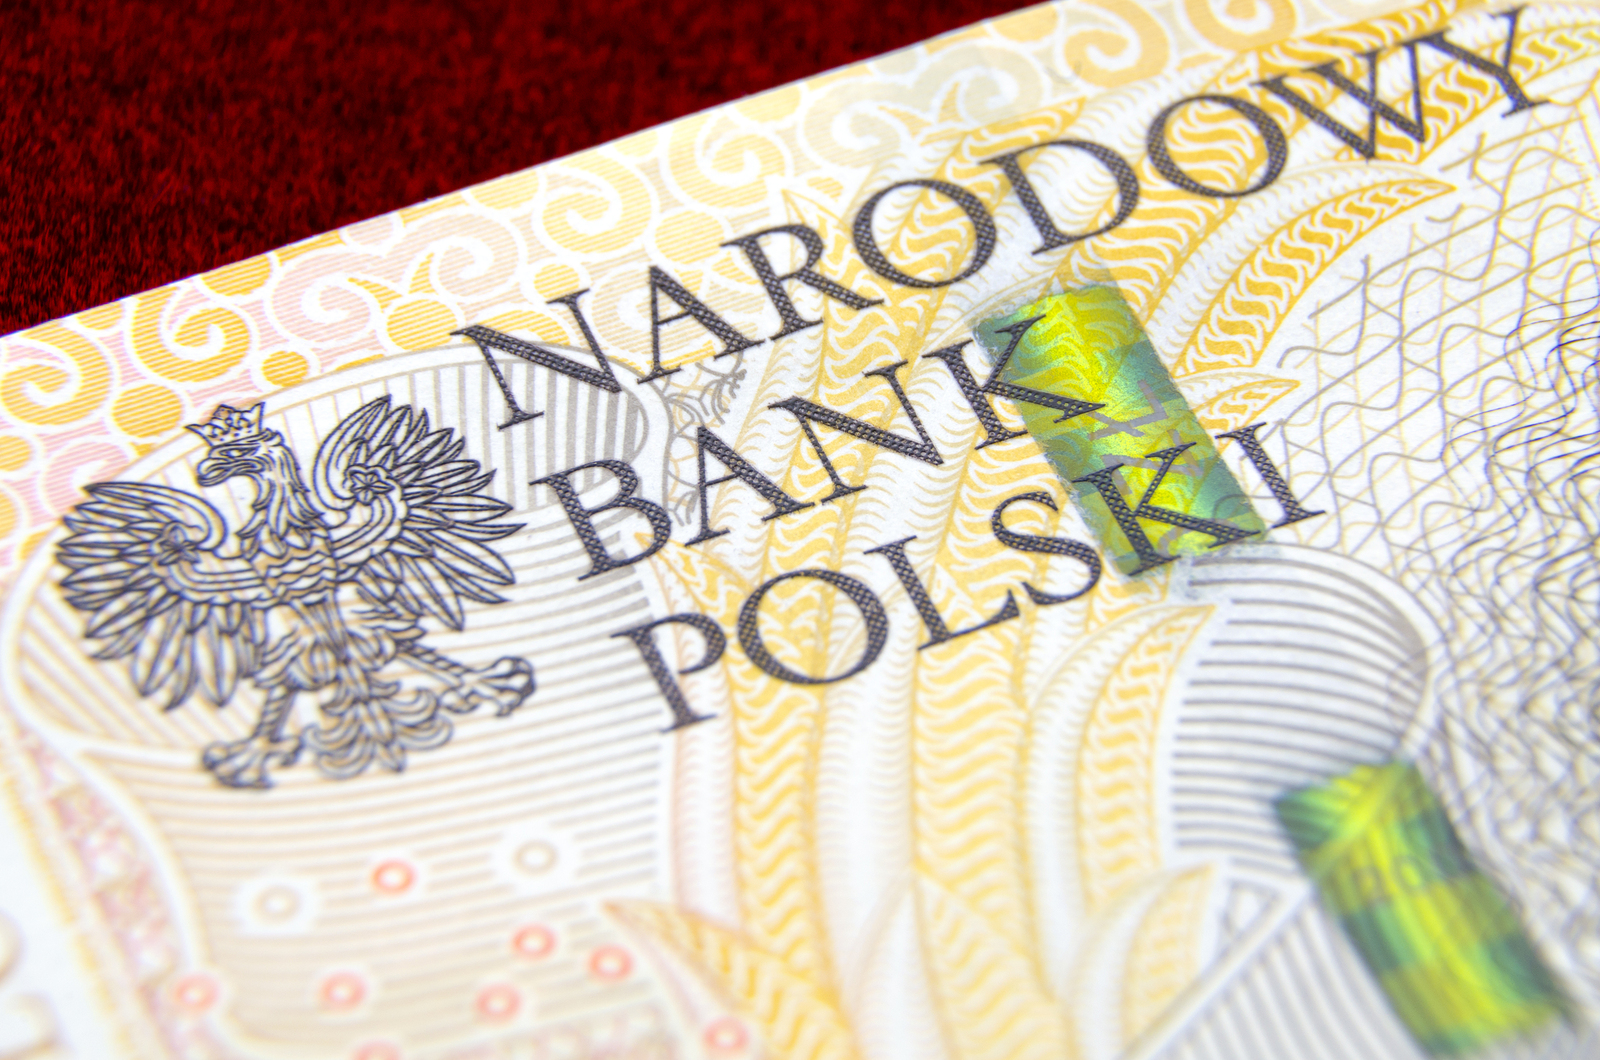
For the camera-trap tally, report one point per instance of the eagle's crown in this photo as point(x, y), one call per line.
point(230, 426)
point(237, 444)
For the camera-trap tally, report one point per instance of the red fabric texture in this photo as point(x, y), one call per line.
point(143, 142)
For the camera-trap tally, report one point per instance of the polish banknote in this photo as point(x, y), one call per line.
point(1073, 540)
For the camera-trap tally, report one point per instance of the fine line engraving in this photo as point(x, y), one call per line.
point(323, 589)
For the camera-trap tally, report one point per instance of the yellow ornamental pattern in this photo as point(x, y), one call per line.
point(969, 722)
point(1117, 826)
point(1165, 956)
point(1216, 147)
point(977, 974)
point(1239, 25)
point(1138, 46)
point(777, 746)
point(777, 727)
point(45, 393)
point(1455, 93)
point(968, 715)
point(594, 205)
point(1236, 327)
point(1339, 44)
point(967, 709)
point(721, 162)
point(1239, 406)
point(793, 1019)
point(206, 343)
point(1143, 255)
point(969, 705)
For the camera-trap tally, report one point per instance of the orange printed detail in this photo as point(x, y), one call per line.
point(146, 411)
point(556, 279)
point(1135, 49)
point(197, 333)
point(610, 963)
point(416, 324)
point(726, 1035)
point(342, 991)
point(50, 395)
point(393, 877)
point(240, 278)
point(196, 993)
point(285, 368)
point(534, 941)
point(1239, 24)
point(498, 1002)
point(101, 318)
point(14, 453)
point(307, 246)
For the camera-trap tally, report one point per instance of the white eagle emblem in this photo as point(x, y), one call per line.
point(321, 591)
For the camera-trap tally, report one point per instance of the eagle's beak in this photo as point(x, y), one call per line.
point(213, 470)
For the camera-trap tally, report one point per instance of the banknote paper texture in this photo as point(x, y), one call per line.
point(1076, 539)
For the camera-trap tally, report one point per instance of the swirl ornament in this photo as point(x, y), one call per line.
point(1003, 796)
point(53, 395)
point(1164, 957)
point(1242, 24)
point(594, 205)
point(1235, 328)
point(724, 164)
point(1117, 826)
point(207, 342)
point(1134, 48)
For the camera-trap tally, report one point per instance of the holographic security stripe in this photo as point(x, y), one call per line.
point(1443, 943)
point(1147, 476)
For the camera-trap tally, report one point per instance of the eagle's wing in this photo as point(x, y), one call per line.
point(145, 565)
point(416, 518)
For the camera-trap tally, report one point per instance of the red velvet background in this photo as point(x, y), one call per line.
point(141, 142)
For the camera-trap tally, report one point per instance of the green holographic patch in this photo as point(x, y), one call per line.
point(1147, 476)
point(1442, 941)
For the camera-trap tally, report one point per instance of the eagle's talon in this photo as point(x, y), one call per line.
point(511, 681)
point(505, 683)
point(243, 763)
point(325, 584)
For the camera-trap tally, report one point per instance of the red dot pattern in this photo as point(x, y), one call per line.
point(610, 963)
point(342, 991)
point(196, 993)
point(498, 1002)
point(393, 877)
point(533, 942)
point(726, 1035)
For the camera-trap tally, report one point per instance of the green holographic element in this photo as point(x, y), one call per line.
point(1442, 941)
point(1086, 344)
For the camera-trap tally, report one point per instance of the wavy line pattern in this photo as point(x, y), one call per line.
point(1165, 955)
point(978, 972)
point(794, 1018)
point(965, 710)
point(1117, 827)
point(1242, 405)
point(1235, 328)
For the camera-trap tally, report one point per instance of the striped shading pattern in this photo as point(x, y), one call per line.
point(517, 831)
point(1097, 399)
point(1443, 943)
